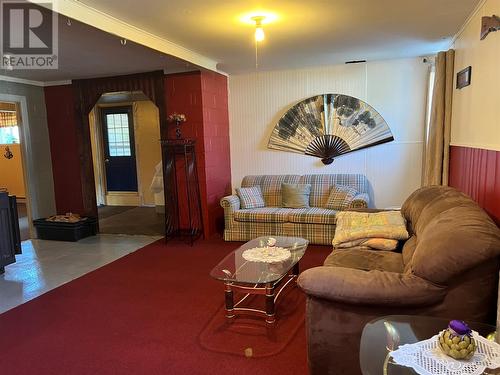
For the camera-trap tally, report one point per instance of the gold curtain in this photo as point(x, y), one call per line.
point(436, 160)
point(8, 118)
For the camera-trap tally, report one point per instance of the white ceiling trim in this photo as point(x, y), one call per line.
point(103, 21)
point(33, 83)
point(21, 80)
point(56, 83)
point(478, 7)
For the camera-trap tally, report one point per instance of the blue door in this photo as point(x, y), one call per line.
point(119, 149)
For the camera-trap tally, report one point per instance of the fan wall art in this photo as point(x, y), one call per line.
point(329, 125)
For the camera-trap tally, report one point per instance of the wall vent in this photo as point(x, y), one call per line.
point(355, 61)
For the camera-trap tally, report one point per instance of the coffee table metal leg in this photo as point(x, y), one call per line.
point(296, 269)
point(229, 301)
point(270, 307)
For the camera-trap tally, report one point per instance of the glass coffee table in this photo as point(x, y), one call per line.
point(383, 335)
point(255, 277)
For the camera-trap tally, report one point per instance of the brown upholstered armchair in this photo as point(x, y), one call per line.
point(448, 268)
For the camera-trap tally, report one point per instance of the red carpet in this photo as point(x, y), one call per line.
point(146, 313)
point(251, 333)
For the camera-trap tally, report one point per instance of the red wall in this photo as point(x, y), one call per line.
point(202, 97)
point(63, 148)
point(216, 141)
point(476, 172)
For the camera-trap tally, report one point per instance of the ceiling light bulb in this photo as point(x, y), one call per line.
point(259, 34)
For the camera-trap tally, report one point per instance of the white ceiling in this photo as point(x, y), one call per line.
point(306, 33)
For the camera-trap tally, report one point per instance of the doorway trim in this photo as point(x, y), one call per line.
point(26, 158)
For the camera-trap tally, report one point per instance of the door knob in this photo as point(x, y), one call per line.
point(106, 160)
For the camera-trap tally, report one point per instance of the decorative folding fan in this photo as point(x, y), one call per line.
point(329, 125)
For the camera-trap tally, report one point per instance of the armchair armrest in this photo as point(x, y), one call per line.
point(361, 200)
point(231, 202)
point(374, 287)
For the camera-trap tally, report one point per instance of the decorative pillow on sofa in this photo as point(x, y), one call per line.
point(295, 195)
point(250, 197)
point(340, 197)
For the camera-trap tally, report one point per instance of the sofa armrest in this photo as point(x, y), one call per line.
point(374, 287)
point(231, 202)
point(360, 201)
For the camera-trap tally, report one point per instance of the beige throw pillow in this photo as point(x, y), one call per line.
point(295, 195)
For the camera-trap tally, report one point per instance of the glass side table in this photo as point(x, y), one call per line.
point(383, 335)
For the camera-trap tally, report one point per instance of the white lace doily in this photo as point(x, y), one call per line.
point(266, 254)
point(426, 358)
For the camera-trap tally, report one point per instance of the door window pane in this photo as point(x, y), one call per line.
point(118, 134)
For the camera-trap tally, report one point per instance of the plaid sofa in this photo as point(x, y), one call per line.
point(316, 224)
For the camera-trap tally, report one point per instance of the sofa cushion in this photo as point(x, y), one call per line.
point(340, 197)
point(366, 260)
point(322, 183)
point(408, 251)
point(313, 215)
point(263, 215)
point(270, 186)
point(295, 195)
point(250, 197)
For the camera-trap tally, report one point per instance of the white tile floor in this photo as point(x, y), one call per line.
point(45, 265)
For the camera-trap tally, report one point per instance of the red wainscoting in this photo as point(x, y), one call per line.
point(476, 172)
point(64, 149)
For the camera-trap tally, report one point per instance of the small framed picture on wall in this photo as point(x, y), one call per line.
point(464, 77)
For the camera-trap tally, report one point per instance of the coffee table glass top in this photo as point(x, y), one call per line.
point(234, 268)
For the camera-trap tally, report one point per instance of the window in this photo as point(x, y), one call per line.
point(118, 134)
point(9, 129)
point(9, 135)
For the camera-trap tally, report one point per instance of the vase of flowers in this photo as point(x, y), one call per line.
point(177, 119)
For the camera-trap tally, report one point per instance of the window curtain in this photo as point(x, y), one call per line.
point(8, 118)
point(436, 159)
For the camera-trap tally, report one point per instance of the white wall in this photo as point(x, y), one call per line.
point(476, 108)
point(148, 148)
point(395, 88)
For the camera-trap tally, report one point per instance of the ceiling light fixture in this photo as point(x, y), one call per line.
point(259, 31)
point(123, 42)
point(259, 36)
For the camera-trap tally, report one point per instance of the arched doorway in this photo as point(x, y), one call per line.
point(87, 94)
point(124, 133)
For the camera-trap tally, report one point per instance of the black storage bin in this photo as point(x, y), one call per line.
point(62, 231)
